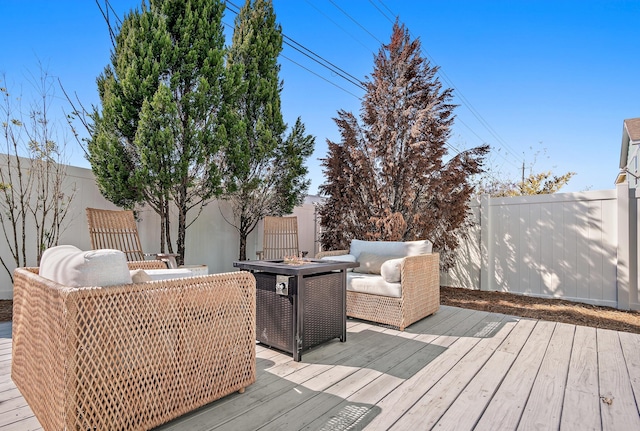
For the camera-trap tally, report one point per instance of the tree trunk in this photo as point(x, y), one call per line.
point(243, 245)
point(182, 227)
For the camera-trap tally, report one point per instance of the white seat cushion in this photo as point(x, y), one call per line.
point(372, 284)
point(72, 267)
point(169, 273)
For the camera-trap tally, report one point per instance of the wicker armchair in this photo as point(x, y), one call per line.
point(420, 279)
point(131, 356)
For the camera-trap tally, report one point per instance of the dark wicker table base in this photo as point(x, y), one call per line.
point(294, 322)
point(311, 310)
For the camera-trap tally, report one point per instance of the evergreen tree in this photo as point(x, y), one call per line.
point(162, 124)
point(387, 179)
point(264, 169)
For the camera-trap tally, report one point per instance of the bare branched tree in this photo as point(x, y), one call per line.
point(34, 197)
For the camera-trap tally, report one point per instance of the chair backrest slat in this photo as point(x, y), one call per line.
point(280, 237)
point(115, 229)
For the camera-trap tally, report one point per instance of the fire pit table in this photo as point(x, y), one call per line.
point(299, 305)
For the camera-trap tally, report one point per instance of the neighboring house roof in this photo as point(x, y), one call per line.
point(630, 135)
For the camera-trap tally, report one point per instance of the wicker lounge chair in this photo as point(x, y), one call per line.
point(420, 293)
point(117, 229)
point(280, 238)
point(134, 356)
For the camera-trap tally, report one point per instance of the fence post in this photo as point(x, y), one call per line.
point(627, 271)
point(486, 260)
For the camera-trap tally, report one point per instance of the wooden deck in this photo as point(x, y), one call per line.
point(456, 370)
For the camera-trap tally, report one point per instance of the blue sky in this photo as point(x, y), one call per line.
point(552, 78)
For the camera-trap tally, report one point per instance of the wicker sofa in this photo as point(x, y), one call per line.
point(132, 356)
point(415, 295)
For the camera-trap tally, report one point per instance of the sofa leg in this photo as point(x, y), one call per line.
point(241, 391)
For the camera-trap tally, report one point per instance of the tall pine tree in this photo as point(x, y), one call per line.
point(161, 126)
point(387, 179)
point(264, 169)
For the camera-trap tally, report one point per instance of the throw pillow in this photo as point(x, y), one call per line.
point(70, 266)
point(370, 263)
point(391, 270)
point(139, 276)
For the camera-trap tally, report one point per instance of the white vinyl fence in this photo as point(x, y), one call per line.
point(576, 246)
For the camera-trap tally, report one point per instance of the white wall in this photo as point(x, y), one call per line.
point(210, 240)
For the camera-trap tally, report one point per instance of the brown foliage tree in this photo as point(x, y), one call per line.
point(387, 179)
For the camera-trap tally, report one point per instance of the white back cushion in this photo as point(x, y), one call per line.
point(390, 248)
point(70, 266)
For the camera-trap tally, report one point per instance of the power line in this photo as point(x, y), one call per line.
point(352, 79)
point(381, 12)
point(464, 100)
point(315, 57)
point(321, 77)
point(338, 25)
point(356, 22)
point(386, 7)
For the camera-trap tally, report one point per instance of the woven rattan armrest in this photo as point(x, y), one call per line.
point(417, 270)
point(147, 264)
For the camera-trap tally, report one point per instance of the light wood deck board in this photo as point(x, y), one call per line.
point(468, 407)
point(505, 408)
point(544, 407)
point(631, 348)
point(582, 399)
point(459, 370)
point(619, 406)
point(395, 404)
point(434, 403)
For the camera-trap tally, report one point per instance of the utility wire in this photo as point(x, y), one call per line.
point(338, 25)
point(464, 100)
point(313, 56)
point(356, 22)
point(386, 7)
point(381, 12)
point(321, 77)
point(311, 71)
point(352, 79)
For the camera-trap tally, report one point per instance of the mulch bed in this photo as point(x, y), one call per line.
point(6, 310)
point(555, 310)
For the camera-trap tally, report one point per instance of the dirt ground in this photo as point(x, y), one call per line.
point(555, 310)
point(506, 303)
